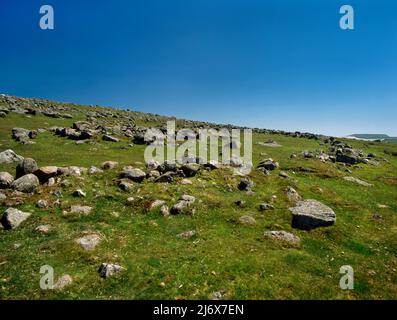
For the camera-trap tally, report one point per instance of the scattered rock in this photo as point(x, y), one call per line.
point(182, 206)
point(44, 228)
point(152, 164)
point(190, 169)
point(358, 181)
point(240, 203)
point(94, 170)
point(377, 217)
point(27, 183)
point(89, 242)
point(247, 220)
point(246, 184)
point(125, 185)
point(85, 210)
point(109, 165)
point(268, 164)
point(107, 270)
point(165, 211)
point(186, 234)
point(265, 206)
point(79, 193)
point(283, 174)
point(167, 177)
point(6, 180)
point(292, 194)
point(9, 156)
point(63, 282)
point(310, 214)
point(283, 236)
point(41, 204)
point(27, 166)
point(156, 203)
point(45, 173)
point(110, 138)
point(186, 182)
point(136, 175)
point(12, 218)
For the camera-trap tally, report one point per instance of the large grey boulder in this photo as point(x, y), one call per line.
point(136, 175)
point(9, 156)
point(12, 218)
point(27, 166)
point(6, 180)
point(28, 183)
point(310, 214)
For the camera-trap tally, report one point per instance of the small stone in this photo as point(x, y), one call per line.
point(246, 184)
point(186, 234)
point(79, 193)
point(89, 242)
point(358, 181)
point(108, 165)
point(247, 220)
point(94, 170)
point(164, 210)
point(265, 206)
point(85, 210)
point(41, 204)
point(51, 182)
point(186, 182)
point(44, 228)
point(283, 174)
point(283, 235)
point(156, 203)
point(110, 138)
point(63, 281)
point(292, 194)
point(240, 203)
point(125, 185)
point(107, 270)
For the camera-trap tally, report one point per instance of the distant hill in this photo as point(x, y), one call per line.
point(371, 136)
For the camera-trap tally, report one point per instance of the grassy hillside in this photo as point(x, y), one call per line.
point(224, 256)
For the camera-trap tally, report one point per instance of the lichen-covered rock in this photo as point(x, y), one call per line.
point(283, 236)
point(310, 214)
point(108, 269)
point(9, 156)
point(28, 165)
point(12, 218)
point(27, 183)
point(6, 180)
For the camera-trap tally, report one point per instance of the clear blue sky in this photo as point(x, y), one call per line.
point(281, 64)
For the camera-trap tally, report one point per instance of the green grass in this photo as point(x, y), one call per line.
point(225, 255)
